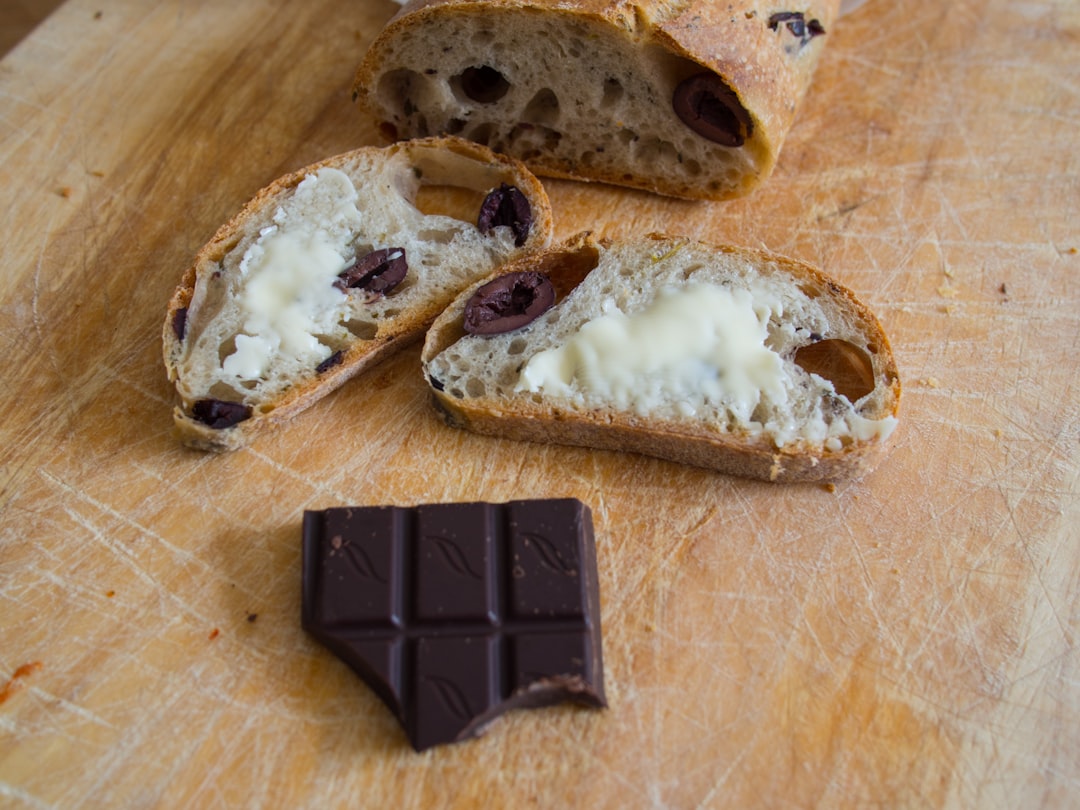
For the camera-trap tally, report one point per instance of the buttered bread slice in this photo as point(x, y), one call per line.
point(732, 359)
point(331, 268)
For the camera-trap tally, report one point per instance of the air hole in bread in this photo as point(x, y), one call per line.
point(403, 91)
point(567, 269)
point(517, 346)
point(483, 37)
point(481, 133)
point(406, 283)
point(228, 246)
point(475, 388)
point(480, 83)
point(226, 348)
point(362, 330)
point(455, 202)
point(656, 151)
point(224, 392)
point(531, 139)
point(842, 363)
point(543, 108)
point(613, 93)
point(810, 289)
point(433, 236)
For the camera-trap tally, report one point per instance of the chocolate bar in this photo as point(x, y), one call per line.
point(456, 613)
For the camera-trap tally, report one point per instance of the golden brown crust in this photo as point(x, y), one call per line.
point(738, 454)
point(392, 335)
point(732, 39)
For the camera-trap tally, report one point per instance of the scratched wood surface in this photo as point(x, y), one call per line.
point(905, 641)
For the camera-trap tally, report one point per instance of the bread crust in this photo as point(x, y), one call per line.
point(735, 40)
point(392, 335)
point(741, 454)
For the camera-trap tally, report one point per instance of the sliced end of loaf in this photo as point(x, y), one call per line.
point(588, 90)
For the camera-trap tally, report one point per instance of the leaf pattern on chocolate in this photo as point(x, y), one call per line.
point(451, 696)
point(549, 555)
point(361, 562)
point(454, 556)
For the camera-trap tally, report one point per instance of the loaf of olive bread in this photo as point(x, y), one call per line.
point(332, 267)
point(691, 98)
point(732, 359)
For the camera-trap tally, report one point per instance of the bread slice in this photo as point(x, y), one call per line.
point(303, 288)
point(727, 358)
point(692, 99)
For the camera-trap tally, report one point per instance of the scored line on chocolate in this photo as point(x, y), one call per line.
point(445, 606)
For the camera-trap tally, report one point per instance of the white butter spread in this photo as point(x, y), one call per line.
point(701, 350)
point(287, 297)
point(865, 429)
point(696, 344)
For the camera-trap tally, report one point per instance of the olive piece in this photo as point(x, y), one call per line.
point(508, 302)
point(377, 272)
point(219, 414)
point(179, 323)
point(506, 205)
point(333, 360)
point(708, 106)
point(796, 23)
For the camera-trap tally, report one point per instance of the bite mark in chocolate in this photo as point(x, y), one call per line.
point(508, 302)
point(506, 205)
point(377, 272)
point(456, 613)
point(220, 414)
point(706, 104)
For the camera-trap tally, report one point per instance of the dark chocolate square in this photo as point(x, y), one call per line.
point(454, 563)
point(358, 574)
point(456, 613)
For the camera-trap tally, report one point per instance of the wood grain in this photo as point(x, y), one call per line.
point(909, 640)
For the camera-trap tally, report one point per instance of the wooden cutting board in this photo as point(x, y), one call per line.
point(909, 640)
